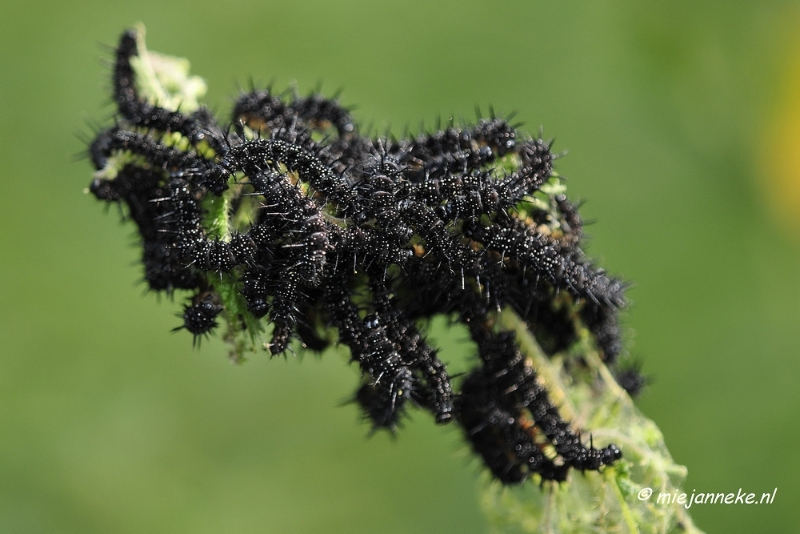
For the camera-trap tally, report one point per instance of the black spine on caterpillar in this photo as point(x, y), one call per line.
point(511, 390)
point(176, 162)
point(222, 256)
point(256, 277)
point(299, 241)
point(254, 157)
point(389, 383)
point(255, 290)
point(296, 217)
point(570, 222)
point(430, 146)
point(350, 152)
point(382, 402)
point(123, 77)
point(259, 109)
point(165, 271)
point(161, 217)
point(316, 111)
point(283, 313)
point(603, 323)
point(271, 118)
point(269, 276)
point(438, 239)
point(517, 387)
point(310, 322)
point(176, 229)
point(501, 437)
point(391, 380)
point(382, 250)
point(428, 289)
point(292, 132)
point(554, 329)
point(435, 391)
point(379, 184)
point(457, 151)
point(460, 265)
point(343, 313)
point(199, 317)
point(538, 256)
point(471, 192)
point(631, 379)
point(496, 134)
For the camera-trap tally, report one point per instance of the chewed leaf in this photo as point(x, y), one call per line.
point(614, 500)
point(164, 80)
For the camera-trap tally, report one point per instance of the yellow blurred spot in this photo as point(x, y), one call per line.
point(781, 166)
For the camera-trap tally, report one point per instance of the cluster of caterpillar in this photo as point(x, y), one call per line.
point(324, 229)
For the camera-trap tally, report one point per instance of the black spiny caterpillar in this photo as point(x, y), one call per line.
point(289, 219)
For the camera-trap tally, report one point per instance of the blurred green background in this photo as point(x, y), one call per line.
point(682, 120)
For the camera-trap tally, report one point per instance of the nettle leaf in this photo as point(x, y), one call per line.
point(164, 80)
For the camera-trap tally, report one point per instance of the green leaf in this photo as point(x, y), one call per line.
point(164, 80)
